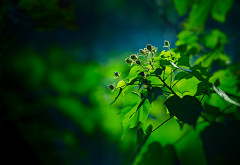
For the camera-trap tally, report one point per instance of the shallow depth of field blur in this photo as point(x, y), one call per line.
point(57, 60)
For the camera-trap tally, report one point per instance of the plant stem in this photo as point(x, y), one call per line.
point(227, 107)
point(204, 94)
point(162, 123)
point(179, 80)
point(167, 86)
point(170, 74)
point(171, 77)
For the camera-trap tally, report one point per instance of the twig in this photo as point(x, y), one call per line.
point(162, 123)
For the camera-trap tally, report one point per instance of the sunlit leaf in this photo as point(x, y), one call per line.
point(132, 113)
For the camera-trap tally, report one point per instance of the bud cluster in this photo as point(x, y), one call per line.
point(149, 53)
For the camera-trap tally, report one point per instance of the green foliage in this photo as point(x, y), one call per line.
point(134, 110)
point(192, 95)
point(201, 9)
point(156, 77)
point(187, 109)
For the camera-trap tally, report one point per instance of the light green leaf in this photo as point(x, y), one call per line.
point(132, 113)
point(187, 84)
point(134, 73)
point(121, 84)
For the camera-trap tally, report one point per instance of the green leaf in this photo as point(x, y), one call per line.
point(187, 84)
point(200, 72)
point(121, 84)
point(202, 88)
point(183, 61)
point(134, 73)
point(120, 91)
point(132, 113)
point(187, 109)
point(217, 82)
point(186, 37)
point(152, 94)
point(182, 6)
point(220, 9)
point(206, 60)
point(155, 81)
point(199, 13)
point(214, 38)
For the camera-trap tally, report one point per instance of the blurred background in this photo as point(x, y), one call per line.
point(57, 60)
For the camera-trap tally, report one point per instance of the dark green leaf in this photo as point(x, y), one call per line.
point(217, 82)
point(215, 111)
point(156, 155)
point(158, 71)
point(187, 109)
point(164, 62)
point(142, 137)
point(152, 94)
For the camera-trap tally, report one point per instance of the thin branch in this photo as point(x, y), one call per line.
point(167, 86)
point(171, 77)
point(179, 80)
point(170, 73)
point(162, 123)
point(227, 107)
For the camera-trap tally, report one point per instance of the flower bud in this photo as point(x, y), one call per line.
point(149, 47)
point(128, 60)
point(111, 86)
point(141, 51)
point(116, 74)
point(134, 57)
point(138, 62)
point(166, 43)
point(142, 74)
